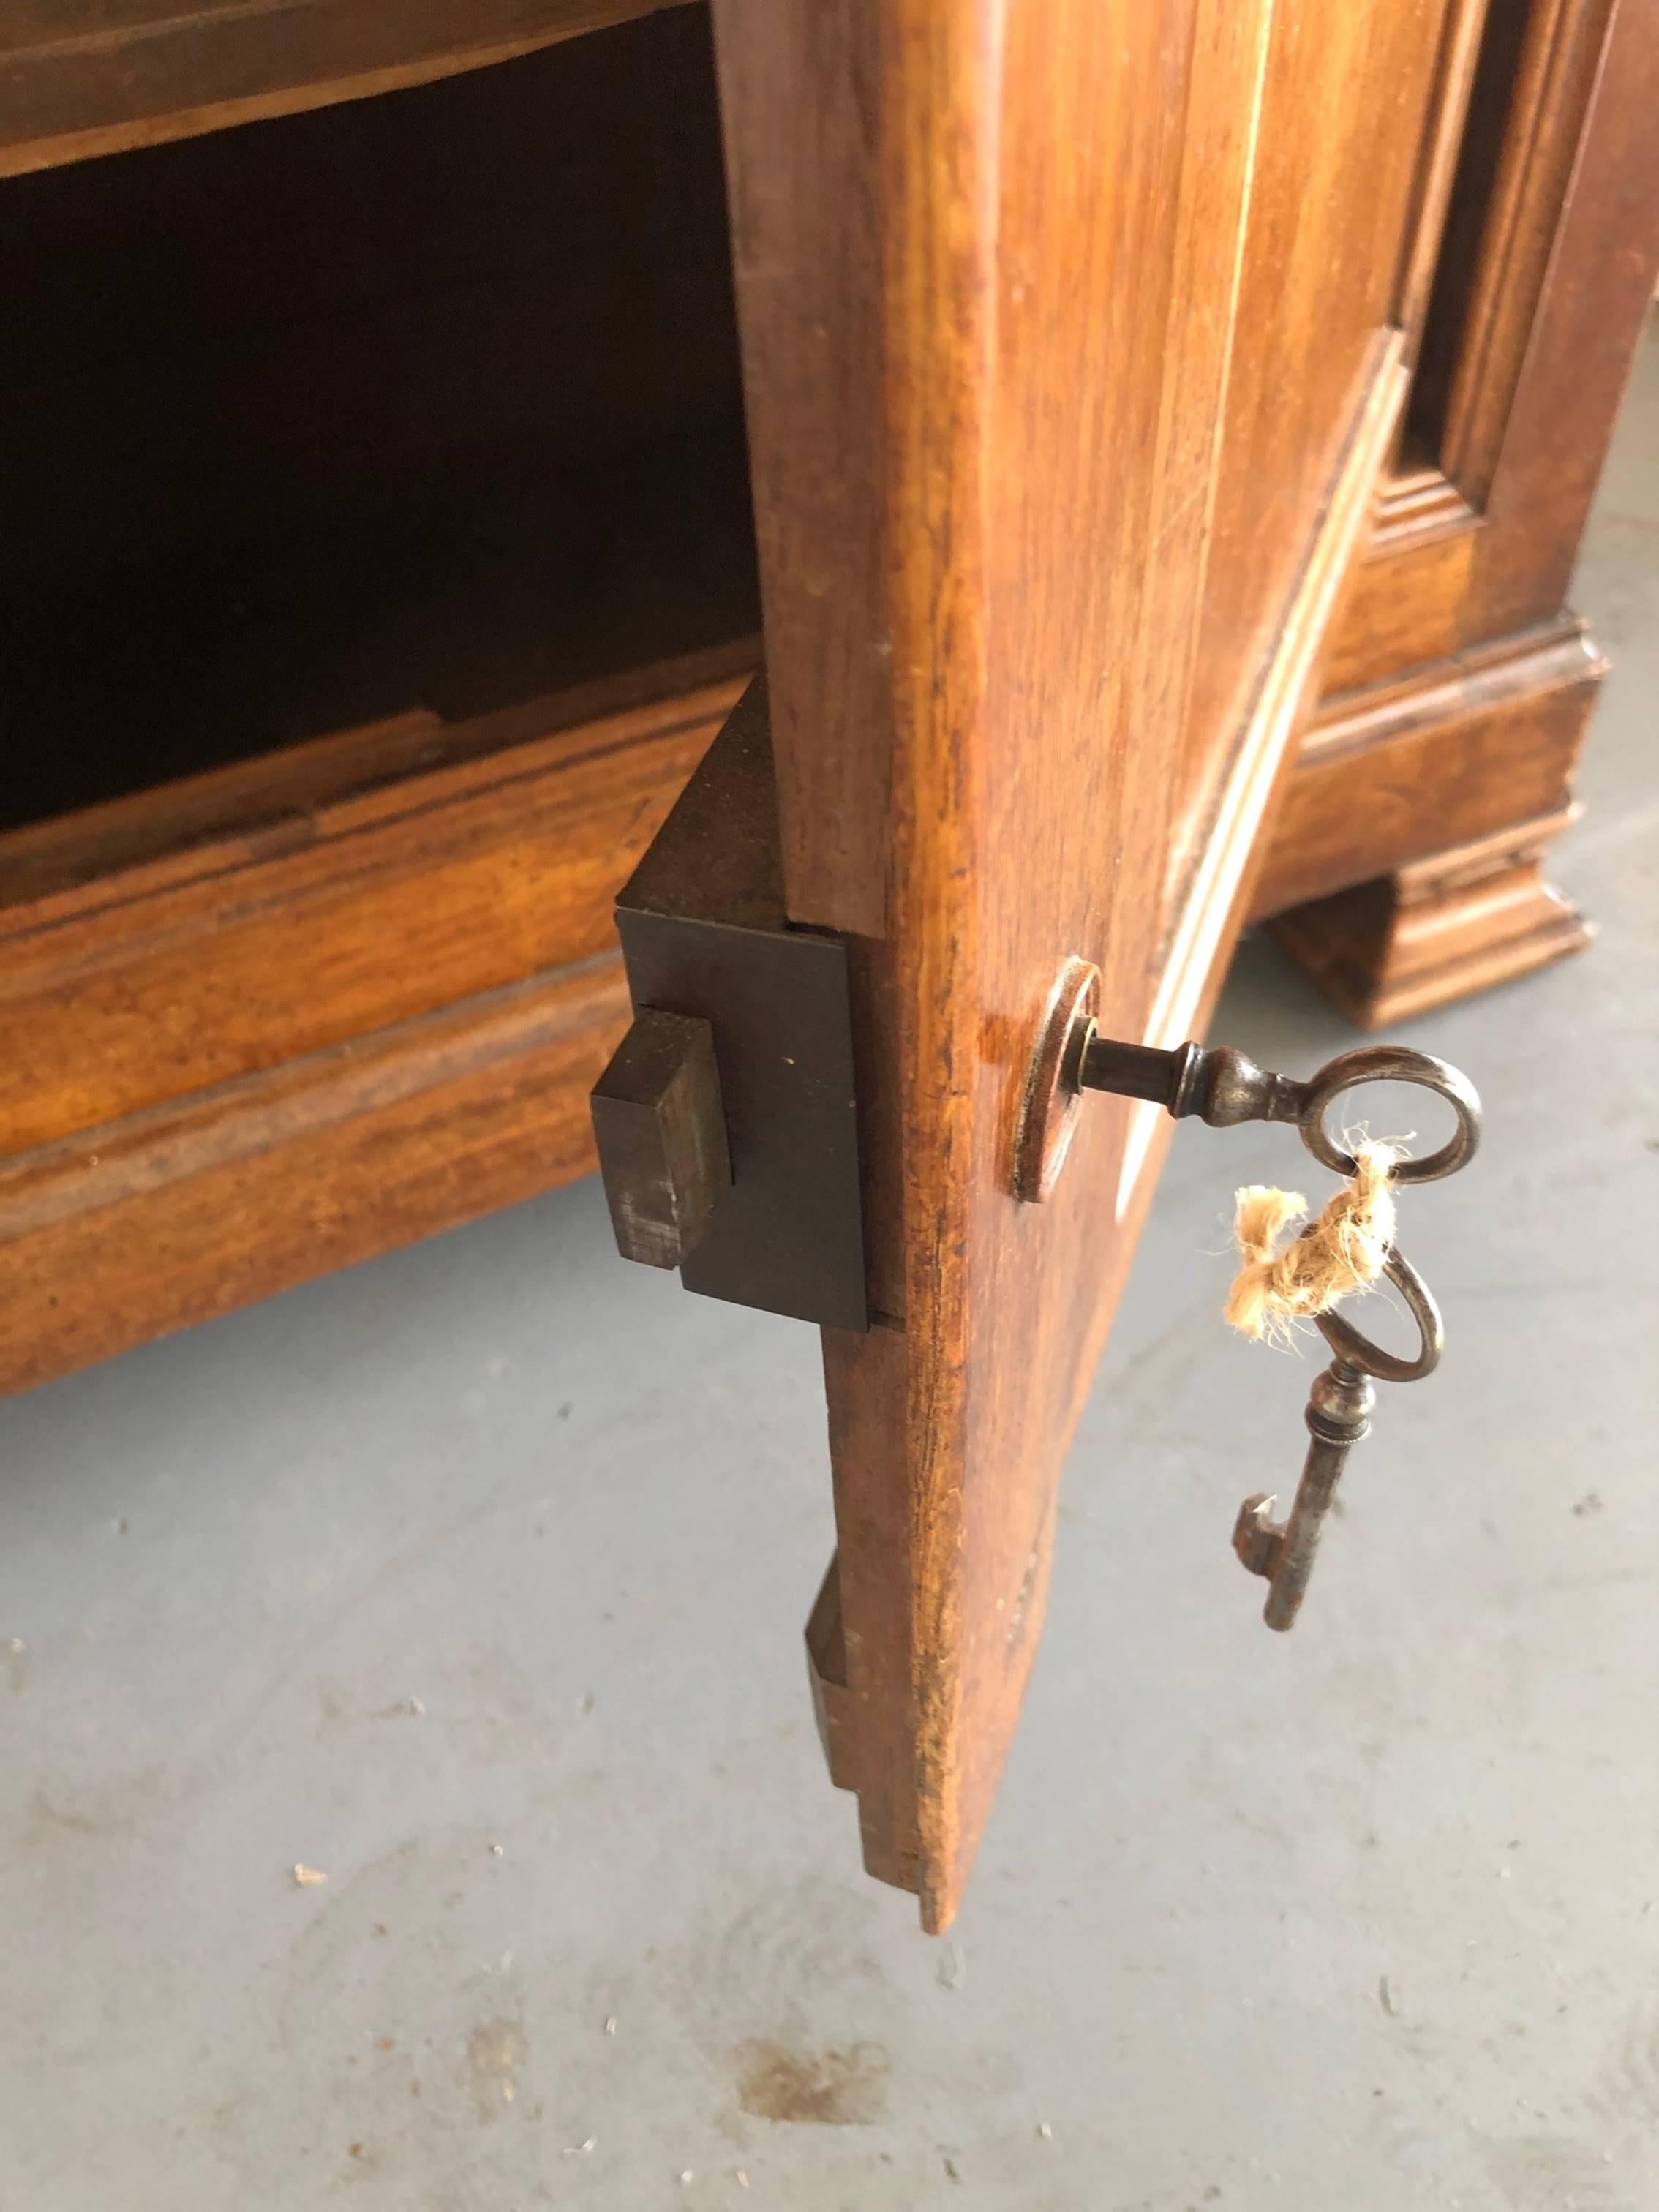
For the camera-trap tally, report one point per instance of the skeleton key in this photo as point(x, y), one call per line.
point(1223, 1087)
point(1337, 1417)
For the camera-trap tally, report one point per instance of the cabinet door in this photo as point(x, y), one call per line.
point(1071, 356)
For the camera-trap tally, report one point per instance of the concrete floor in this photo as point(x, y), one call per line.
point(474, 1578)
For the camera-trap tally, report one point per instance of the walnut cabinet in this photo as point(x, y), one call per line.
point(1145, 446)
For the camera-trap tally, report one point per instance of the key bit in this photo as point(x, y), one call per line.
point(1337, 1417)
point(1257, 1538)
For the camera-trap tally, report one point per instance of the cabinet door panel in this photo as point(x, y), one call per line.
point(1070, 363)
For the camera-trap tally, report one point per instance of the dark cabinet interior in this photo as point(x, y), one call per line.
point(425, 400)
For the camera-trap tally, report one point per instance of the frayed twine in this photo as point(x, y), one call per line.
point(1342, 1252)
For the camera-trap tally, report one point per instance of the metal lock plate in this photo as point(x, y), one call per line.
point(705, 935)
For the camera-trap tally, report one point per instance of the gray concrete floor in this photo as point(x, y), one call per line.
point(1367, 1918)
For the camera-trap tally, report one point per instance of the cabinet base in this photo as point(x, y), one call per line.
point(1460, 921)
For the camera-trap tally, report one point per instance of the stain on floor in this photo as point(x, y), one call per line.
point(843, 2086)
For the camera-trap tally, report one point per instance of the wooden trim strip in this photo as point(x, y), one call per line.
point(227, 818)
point(1451, 754)
point(1418, 505)
point(1211, 906)
point(370, 908)
point(1456, 921)
point(1460, 45)
point(189, 1210)
point(144, 72)
point(1555, 80)
point(1505, 669)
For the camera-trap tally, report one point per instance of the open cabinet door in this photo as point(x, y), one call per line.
point(1071, 351)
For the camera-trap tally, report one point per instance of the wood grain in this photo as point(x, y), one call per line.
point(190, 1208)
point(1458, 693)
point(1461, 749)
point(1440, 146)
point(826, 1670)
point(1405, 605)
point(1065, 388)
point(79, 79)
point(1598, 280)
point(203, 824)
point(1071, 576)
point(1541, 291)
point(799, 87)
point(371, 904)
point(266, 1023)
point(1537, 79)
point(1448, 754)
point(1419, 503)
point(1460, 921)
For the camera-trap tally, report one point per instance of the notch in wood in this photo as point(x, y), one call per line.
point(661, 1133)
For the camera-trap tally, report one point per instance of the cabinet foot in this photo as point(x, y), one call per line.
point(1459, 921)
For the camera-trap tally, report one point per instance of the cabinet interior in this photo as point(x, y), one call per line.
point(428, 400)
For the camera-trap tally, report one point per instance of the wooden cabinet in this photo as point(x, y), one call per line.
point(1405, 866)
point(1152, 442)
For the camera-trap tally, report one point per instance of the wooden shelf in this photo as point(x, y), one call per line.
point(506, 582)
point(428, 402)
point(292, 1013)
point(80, 77)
